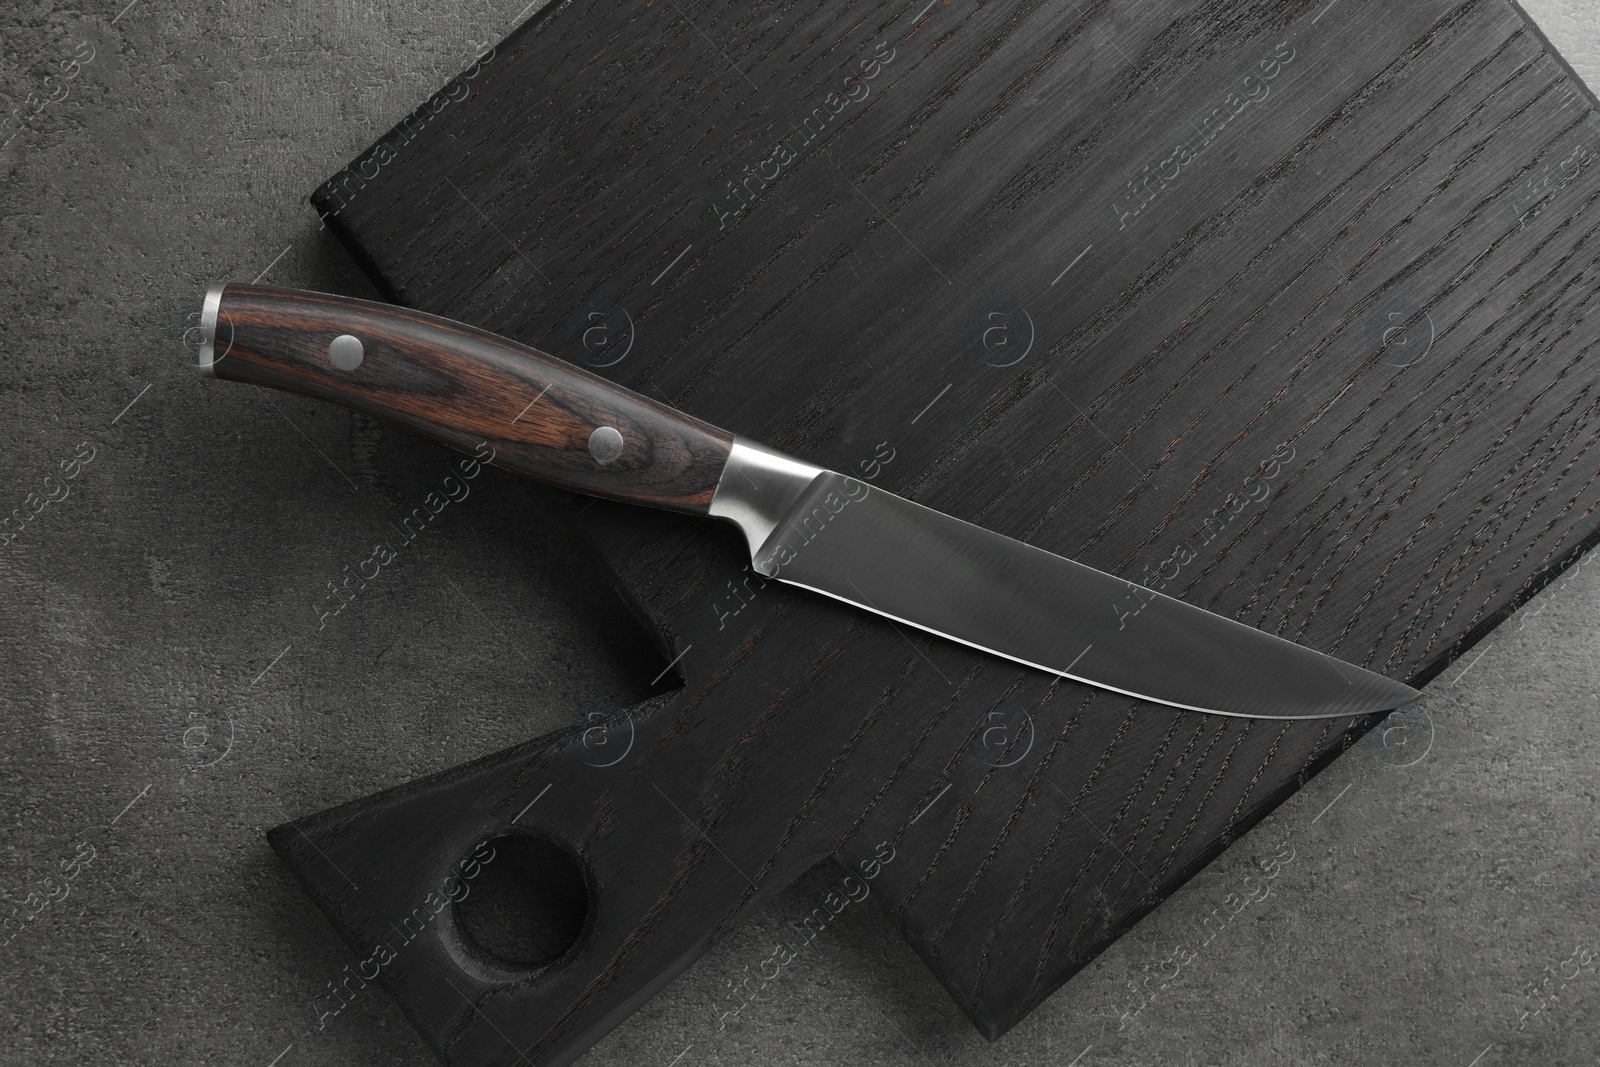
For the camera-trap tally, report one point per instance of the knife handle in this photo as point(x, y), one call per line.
point(468, 388)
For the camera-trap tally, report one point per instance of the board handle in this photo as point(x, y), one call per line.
point(468, 388)
point(666, 865)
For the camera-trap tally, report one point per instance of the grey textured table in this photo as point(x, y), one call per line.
point(166, 693)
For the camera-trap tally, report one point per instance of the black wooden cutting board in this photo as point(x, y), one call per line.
point(1281, 308)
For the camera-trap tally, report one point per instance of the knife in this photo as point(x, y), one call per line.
point(806, 526)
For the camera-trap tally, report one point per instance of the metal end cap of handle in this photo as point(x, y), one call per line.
point(207, 357)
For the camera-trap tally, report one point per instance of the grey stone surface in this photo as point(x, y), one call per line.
point(1571, 26)
point(167, 693)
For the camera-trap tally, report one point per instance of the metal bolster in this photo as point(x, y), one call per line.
point(759, 489)
point(207, 358)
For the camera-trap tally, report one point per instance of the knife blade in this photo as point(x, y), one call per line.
point(806, 526)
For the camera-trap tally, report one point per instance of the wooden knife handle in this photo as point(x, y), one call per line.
point(469, 388)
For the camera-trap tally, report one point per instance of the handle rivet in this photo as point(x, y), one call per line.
point(345, 352)
point(605, 444)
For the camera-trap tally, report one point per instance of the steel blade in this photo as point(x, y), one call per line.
point(914, 565)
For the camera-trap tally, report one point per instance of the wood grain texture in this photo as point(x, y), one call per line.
point(522, 409)
point(1082, 270)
